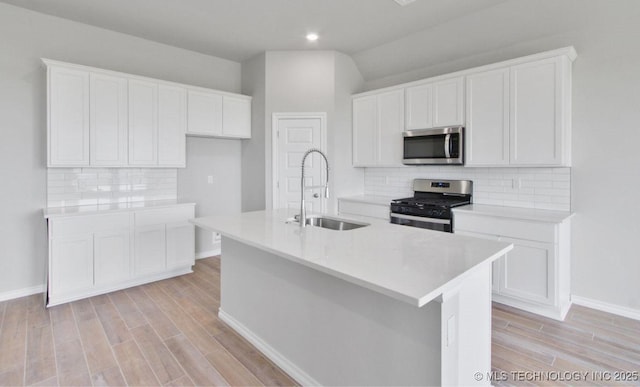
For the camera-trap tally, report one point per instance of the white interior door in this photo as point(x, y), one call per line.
point(294, 137)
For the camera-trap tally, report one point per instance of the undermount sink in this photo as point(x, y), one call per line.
point(333, 223)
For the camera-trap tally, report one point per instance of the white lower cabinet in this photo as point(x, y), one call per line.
point(535, 275)
point(100, 253)
point(111, 257)
point(527, 271)
point(150, 249)
point(71, 266)
point(180, 247)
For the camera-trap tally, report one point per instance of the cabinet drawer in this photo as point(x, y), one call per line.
point(533, 231)
point(88, 224)
point(364, 209)
point(163, 215)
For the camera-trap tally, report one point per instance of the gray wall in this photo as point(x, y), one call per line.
point(606, 162)
point(347, 180)
point(253, 150)
point(26, 37)
point(299, 81)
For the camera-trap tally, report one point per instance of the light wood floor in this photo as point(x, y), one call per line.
point(168, 333)
point(602, 347)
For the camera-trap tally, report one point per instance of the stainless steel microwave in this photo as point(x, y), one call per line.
point(440, 146)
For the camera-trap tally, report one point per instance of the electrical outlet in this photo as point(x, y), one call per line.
point(209, 179)
point(216, 237)
point(516, 183)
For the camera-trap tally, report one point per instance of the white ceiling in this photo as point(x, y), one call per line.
point(240, 29)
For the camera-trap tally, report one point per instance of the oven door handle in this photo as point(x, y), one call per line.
point(420, 218)
point(447, 146)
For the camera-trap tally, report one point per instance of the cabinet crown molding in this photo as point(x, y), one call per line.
point(56, 63)
point(570, 52)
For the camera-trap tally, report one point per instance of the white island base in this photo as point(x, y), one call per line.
point(323, 330)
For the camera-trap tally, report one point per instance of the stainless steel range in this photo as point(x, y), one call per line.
point(431, 204)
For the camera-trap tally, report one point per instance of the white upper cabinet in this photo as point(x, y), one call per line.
point(390, 127)
point(204, 113)
point(520, 115)
point(515, 113)
point(419, 108)
point(365, 130)
point(448, 102)
point(236, 116)
point(487, 131)
point(108, 123)
point(68, 117)
point(540, 103)
point(378, 122)
point(172, 125)
point(101, 118)
point(433, 105)
point(143, 123)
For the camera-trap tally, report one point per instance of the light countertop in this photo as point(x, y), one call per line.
point(371, 199)
point(548, 216)
point(111, 207)
point(407, 263)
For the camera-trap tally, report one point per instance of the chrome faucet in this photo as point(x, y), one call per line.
point(303, 211)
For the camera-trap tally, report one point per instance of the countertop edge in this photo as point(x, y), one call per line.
point(369, 199)
point(96, 211)
point(517, 213)
point(417, 302)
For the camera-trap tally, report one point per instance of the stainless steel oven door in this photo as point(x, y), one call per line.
point(422, 222)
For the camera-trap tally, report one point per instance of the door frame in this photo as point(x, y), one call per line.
point(322, 116)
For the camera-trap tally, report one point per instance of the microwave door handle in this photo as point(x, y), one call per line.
point(447, 146)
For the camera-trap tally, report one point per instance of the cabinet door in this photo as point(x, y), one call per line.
point(143, 123)
point(71, 264)
point(528, 271)
point(365, 131)
point(68, 117)
point(112, 262)
point(536, 108)
point(180, 244)
point(149, 250)
point(108, 123)
point(236, 117)
point(390, 127)
point(419, 114)
point(448, 102)
point(496, 266)
point(204, 112)
point(172, 126)
point(487, 130)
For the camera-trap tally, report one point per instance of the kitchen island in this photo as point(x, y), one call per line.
point(378, 305)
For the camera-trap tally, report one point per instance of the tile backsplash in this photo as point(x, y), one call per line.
point(543, 188)
point(87, 186)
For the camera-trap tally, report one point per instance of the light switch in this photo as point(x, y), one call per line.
point(209, 179)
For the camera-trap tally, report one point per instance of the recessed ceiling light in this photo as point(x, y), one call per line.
point(404, 2)
point(312, 37)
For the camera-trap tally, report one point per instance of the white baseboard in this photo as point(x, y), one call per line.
point(606, 307)
point(209, 253)
point(285, 364)
point(10, 295)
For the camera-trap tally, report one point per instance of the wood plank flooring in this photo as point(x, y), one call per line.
point(588, 348)
point(165, 333)
point(168, 333)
